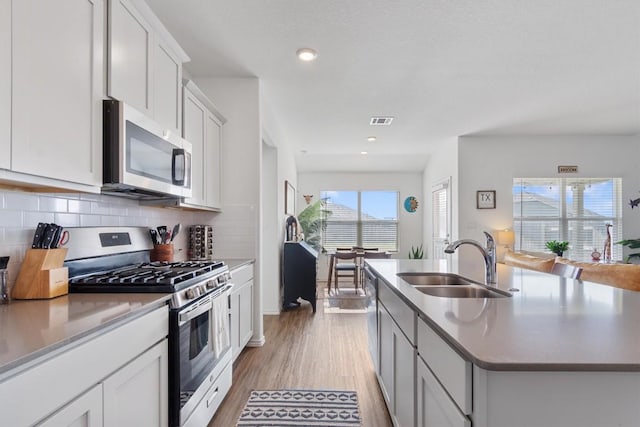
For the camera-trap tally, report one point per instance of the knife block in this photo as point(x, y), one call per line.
point(42, 275)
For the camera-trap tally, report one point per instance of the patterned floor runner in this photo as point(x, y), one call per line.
point(326, 408)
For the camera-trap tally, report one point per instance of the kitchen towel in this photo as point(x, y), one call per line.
point(220, 339)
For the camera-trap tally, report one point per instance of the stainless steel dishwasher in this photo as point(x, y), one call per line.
point(371, 290)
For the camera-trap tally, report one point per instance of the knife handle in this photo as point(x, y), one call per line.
point(38, 236)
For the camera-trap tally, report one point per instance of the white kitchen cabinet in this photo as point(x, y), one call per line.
point(193, 130)
point(434, 407)
point(5, 83)
point(57, 87)
point(136, 395)
point(167, 87)
point(126, 361)
point(241, 308)
point(144, 63)
point(202, 127)
point(397, 370)
point(85, 411)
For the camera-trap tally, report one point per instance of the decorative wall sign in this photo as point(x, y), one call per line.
point(486, 199)
point(289, 199)
point(411, 204)
point(567, 169)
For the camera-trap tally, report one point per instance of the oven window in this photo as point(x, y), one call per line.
point(199, 335)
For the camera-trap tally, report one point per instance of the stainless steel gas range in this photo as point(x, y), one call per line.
point(116, 259)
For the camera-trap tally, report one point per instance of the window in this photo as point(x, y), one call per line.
point(575, 210)
point(361, 218)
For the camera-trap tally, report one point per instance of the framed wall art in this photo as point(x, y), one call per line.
point(289, 199)
point(486, 199)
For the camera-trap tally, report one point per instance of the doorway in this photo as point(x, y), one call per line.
point(441, 217)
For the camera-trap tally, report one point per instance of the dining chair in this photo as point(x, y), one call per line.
point(566, 270)
point(345, 265)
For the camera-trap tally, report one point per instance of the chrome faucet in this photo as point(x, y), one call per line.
point(488, 253)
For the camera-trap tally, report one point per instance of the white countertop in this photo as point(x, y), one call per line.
point(30, 329)
point(552, 323)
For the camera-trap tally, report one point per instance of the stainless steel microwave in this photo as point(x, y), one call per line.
point(141, 159)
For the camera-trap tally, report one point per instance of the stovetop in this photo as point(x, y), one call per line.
point(148, 277)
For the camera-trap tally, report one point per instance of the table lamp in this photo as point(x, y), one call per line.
point(506, 238)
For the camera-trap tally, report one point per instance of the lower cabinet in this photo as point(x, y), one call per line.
point(117, 378)
point(241, 308)
point(434, 407)
point(137, 394)
point(85, 411)
point(397, 370)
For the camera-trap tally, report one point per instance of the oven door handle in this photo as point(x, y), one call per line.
point(190, 315)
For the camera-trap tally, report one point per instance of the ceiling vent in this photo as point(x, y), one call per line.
point(381, 121)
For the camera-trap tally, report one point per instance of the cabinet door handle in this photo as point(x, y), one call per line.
point(212, 397)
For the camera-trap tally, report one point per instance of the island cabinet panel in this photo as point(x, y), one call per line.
point(397, 370)
point(555, 399)
point(434, 407)
point(5, 83)
point(451, 370)
point(57, 88)
point(401, 313)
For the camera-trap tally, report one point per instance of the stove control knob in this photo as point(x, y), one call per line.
point(202, 289)
point(191, 293)
point(211, 284)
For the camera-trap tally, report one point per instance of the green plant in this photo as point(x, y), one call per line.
point(312, 222)
point(631, 244)
point(557, 247)
point(416, 253)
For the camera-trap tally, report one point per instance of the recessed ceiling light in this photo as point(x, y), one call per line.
point(371, 138)
point(364, 153)
point(306, 54)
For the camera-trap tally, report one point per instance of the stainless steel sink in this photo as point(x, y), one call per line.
point(465, 291)
point(434, 279)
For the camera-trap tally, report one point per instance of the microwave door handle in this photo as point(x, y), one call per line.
point(178, 166)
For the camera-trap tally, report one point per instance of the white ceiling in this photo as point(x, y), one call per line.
point(442, 68)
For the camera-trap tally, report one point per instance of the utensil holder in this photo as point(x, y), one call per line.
point(42, 275)
point(162, 253)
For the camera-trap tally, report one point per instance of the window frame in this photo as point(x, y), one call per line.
point(359, 222)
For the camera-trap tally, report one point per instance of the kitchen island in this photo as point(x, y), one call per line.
point(558, 352)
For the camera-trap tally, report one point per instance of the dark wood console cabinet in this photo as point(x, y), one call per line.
point(299, 262)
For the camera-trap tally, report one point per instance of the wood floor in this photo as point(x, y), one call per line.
point(303, 350)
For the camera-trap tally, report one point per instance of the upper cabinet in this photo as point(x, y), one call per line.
point(202, 127)
point(56, 60)
point(144, 63)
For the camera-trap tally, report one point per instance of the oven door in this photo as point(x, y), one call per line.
point(198, 339)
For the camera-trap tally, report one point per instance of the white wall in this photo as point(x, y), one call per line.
point(236, 228)
point(491, 163)
point(408, 184)
point(442, 164)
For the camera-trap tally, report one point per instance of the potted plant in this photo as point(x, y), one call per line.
point(632, 244)
point(312, 222)
point(416, 253)
point(556, 247)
